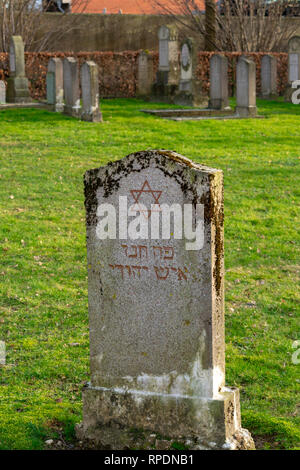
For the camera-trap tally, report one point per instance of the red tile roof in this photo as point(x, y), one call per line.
point(134, 7)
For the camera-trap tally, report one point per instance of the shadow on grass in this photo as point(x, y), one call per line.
point(32, 115)
point(126, 107)
point(270, 431)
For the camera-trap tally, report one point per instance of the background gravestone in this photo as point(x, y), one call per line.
point(145, 74)
point(90, 92)
point(17, 83)
point(167, 76)
point(71, 87)
point(218, 72)
point(50, 86)
point(246, 87)
point(294, 59)
point(54, 80)
point(156, 313)
point(2, 92)
point(190, 92)
point(293, 66)
point(268, 76)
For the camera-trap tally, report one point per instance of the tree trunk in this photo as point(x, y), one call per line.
point(210, 25)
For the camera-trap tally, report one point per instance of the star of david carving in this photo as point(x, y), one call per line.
point(136, 194)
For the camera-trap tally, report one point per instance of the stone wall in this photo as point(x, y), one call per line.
point(117, 33)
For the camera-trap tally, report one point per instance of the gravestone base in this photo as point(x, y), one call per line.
point(190, 94)
point(288, 93)
point(246, 111)
point(18, 90)
point(270, 96)
point(74, 111)
point(162, 77)
point(93, 116)
point(193, 113)
point(162, 90)
point(189, 99)
point(163, 93)
point(113, 417)
point(58, 108)
point(218, 103)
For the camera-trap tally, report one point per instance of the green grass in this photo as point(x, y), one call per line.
point(43, 278)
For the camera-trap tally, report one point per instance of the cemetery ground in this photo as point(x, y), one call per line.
point(43, 274)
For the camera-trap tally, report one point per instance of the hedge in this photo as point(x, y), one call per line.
point(282, 69)
point(118, 70)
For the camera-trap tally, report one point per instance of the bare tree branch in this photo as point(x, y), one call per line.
point(26, 18)
point(236, 25)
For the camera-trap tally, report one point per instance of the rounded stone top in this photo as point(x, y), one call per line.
point(217, 58)
point(89, 63)
point(167, 33)
point(70, 60)
point(163, 32)
point(267, 58)
point(16, 40)
point(16, 57)
point(244, 58)
point(294, 44)
point(54, 63)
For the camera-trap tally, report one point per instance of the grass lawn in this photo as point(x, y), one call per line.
point(43, 275)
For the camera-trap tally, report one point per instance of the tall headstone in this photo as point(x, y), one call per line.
point(268, 76)
point(55, 85)
point(294, 59)
point(17, 83)
point(145, 74)
point(190, 92)
point(156, 305)
point(246, 87)
point(167, 77)
point(90, 92)
point(168, 54)
point(293, 66)
point(2, 92)
point(218, 92)
point(71, 87)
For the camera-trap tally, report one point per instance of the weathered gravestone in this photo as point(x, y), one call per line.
point(2, 92)
point(71, 87)
point(54, 80)
point(167, 76)
point(156, 305)
point(190, 92)
point(293, 65)
point(246, 87)
point(294, 59)
point(90, 92)
point(145, 74)
point(218, 92)
point(17, 83)
point(268, 76)
point(50, 88)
